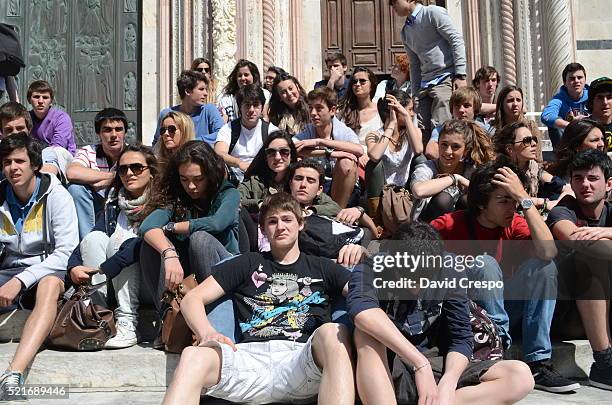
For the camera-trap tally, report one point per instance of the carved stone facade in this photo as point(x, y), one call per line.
point(87, 50)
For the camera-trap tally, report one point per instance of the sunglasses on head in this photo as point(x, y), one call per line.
point(135, 168)
point(207, 70)
point(527, 140)
point(170, 128)
point(360, 81)
point(284, 152)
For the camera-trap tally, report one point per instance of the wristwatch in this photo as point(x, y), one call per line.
point(328, 152)
point(169, 227)
point(526, 203)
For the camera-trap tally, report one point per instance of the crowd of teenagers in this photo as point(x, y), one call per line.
point(273, 198)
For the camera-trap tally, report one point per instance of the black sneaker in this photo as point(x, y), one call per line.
point(601, 371)
point(548, 379)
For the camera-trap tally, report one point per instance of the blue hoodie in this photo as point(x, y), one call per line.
point(561, 104)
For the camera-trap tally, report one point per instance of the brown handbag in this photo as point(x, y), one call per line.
point(175, 333)
point(80, 324)
point(395, 208)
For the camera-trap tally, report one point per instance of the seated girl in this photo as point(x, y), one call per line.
point(192, 221)
point(517, 142)
point(176, 130)
point(245, 72)
point(288, 108)
point(392, 147)
point(439, 185)
point(112, 247)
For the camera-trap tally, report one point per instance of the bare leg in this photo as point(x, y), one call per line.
point(594, 314)
point(373, 376)
point(506, 382)
point(39, 322)
point(345, 177)
point(331, 351)
point(199, 367)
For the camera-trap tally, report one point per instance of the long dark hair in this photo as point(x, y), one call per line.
point(259, 166)
point(500, 116)
point(150, 159)
point(573, 136)
point(168, 191)
point(232, 83)
point(349, 108)
point(278, 108)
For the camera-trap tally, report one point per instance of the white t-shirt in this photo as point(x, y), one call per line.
point(249, 143)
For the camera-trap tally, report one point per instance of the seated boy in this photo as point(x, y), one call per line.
point(289, 352)
point(413, 326)
point(39, 233)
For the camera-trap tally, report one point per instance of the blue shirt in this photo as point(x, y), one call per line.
point(20, 211)
point(206, 120)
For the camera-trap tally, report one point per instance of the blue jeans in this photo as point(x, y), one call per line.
point(536, 283)
point(491, 301)
point(88, 204)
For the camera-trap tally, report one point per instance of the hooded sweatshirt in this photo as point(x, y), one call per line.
point(561, 104)
point(53, 213)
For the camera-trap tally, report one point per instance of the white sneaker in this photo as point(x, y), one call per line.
point(125, 337)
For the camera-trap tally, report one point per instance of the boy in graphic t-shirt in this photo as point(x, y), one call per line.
point(283, 307)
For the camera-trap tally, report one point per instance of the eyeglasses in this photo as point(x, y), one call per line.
point(526, 141)
point(360, 81)
point(207, 70)
point(135, 168)
point(170, 128)
point(284, 152)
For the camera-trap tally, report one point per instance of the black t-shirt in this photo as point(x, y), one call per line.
point(568, 209)
point(608, 135)
point(280, 302)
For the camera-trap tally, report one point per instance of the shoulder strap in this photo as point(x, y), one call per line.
point(265, 125)
point(45, 229)
point(236, 127)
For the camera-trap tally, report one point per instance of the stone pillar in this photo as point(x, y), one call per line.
point(557, 22)
point(507, 42)
point(471, 37)
point(268, 23)
point(224, 37)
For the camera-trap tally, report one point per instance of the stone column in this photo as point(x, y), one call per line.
point(507, 41)
point(471, 37)
point(557, 20)
point(268, 23)
point(223, 36)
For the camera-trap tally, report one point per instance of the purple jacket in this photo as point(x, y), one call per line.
point(55, 129)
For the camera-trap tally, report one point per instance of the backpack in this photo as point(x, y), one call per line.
point(236, 128)
point(11, 56)
point(324, 236)
point(487, 342)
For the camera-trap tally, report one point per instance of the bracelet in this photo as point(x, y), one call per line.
point(163, 253)
point(171, 257)
point(415, 369)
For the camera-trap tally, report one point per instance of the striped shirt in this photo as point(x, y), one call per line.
point(93, 157)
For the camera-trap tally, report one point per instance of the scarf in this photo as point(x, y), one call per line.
point(132, 208)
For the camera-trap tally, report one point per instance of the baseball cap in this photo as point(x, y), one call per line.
point(599, 85)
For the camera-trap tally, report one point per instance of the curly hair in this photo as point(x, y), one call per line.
point(349, 107)
point(168, 191)
point(478, 148)
point(259, 166)
point(278, 108)
point(231, 88)
point(573, 137)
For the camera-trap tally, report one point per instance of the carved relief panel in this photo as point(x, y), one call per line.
point(86, 49)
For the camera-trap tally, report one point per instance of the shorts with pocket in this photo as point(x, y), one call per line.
point(267, 372)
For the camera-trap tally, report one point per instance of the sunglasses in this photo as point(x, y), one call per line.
point(170, 128)
point(135, 168)
point(527, 140)
point(284, 152)
point(360, 81)
point(207, 70)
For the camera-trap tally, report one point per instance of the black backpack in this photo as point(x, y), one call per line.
point(11, 57)
point(236, 128)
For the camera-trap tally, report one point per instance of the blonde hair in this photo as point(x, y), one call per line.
point(183, 123)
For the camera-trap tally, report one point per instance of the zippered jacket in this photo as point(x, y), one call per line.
point(54, 215)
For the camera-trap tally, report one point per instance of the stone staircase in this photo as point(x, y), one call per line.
point(140, 374)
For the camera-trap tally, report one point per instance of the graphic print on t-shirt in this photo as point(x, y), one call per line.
point(284, 308)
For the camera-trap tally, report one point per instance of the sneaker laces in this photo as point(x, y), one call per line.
point(11, 378)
